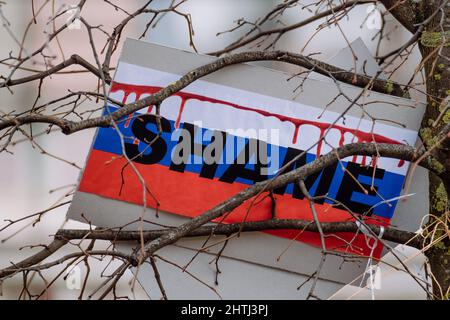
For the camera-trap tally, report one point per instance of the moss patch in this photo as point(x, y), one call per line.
point(389, 86)
point(428, 138)
point(435, 39)
point(440, 199)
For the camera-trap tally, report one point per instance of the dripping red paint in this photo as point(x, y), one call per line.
point(361, 136)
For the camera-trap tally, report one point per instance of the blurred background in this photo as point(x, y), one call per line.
point(31, 181)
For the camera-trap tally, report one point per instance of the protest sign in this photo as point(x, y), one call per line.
point(231, 129)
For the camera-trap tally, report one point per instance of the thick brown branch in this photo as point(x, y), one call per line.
point(367, 149)
point(390, 234)
point(195, 227)
point(69, 127)
point(63, 236)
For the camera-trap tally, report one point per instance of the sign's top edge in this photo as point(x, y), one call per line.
point(128, 40)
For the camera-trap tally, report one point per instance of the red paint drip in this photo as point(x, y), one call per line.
point(127, 123)
point(374, 161)
point(319, 145)
point(125, 96)
point(363, 162)
point(180, 113)
point(294, 140)
point(185, 96)
point(341, 140)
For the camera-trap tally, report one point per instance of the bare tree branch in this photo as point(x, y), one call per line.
point(390, 233)
point(69, 127)
point(384, 150)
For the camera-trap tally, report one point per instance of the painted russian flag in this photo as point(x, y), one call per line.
point(283, 131)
